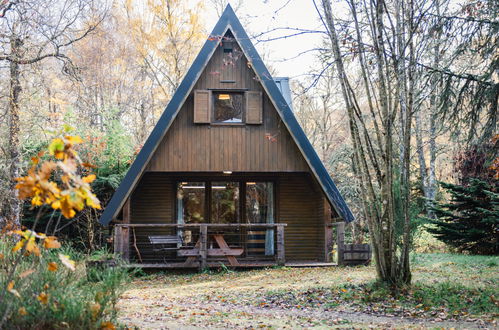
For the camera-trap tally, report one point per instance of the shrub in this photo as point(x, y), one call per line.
point(46, 294)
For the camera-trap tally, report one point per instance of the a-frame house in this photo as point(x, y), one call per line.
point(227, 175)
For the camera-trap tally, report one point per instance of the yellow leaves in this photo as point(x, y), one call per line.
point(29, 241)
point(52, 266)
point(66, 261)
point(43, 298)
point(10, 288)
point(89, 178)
point(73, 139)
point(22, 311)
point(51, 242)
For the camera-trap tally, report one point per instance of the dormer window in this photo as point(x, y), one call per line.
point(228, 107)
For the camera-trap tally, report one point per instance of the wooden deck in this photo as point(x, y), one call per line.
point(208, 246)
point(242, 264)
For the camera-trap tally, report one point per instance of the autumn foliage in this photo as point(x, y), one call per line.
point(36, 274)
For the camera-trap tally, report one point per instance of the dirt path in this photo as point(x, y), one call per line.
point(228, 301)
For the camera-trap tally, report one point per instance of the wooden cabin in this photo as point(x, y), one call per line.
point(227, 175)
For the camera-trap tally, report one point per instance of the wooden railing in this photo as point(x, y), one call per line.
point(135, 243)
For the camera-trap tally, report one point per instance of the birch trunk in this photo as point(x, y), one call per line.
point(14, 129)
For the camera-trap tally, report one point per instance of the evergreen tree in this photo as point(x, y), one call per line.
point(470, 221)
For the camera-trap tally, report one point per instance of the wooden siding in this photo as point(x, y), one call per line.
point(153, 199)
point(300, 204)
point(267, 147)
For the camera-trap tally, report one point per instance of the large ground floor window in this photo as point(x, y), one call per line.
point(225, 202)
point(230, 202)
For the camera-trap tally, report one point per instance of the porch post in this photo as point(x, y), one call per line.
point(203, 232)
point(328, 232)
point(117, 240)
point(126, 231)
point(340, 240)
point(281, 259)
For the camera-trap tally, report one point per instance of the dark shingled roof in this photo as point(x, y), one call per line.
point(228, 21)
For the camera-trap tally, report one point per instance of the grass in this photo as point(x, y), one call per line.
point(446, 287)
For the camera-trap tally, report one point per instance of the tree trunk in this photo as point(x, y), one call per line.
point(14, 129)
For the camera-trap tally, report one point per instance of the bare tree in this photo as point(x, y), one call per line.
point(33, 31)
point(387, 66)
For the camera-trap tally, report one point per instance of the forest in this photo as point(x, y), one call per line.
point(399, 98)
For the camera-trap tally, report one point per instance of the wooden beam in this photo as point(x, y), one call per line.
point(340, 240)
point(281, 259)
point(328, 232)
point(126, 231)
point(190, 225)
point(203, 232)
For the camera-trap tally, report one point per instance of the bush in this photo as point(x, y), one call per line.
point(46, 294)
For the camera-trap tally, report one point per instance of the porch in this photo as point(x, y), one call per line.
point(200, 245)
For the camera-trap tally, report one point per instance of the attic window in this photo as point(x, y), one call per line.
point(228, 107)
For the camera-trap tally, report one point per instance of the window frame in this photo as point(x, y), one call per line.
point(228, 91)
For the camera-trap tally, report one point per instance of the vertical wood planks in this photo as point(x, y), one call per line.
point(202, 106)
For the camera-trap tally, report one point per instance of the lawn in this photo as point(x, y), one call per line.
point(448, 291)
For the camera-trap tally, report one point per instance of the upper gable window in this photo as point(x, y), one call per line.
point(228, 107)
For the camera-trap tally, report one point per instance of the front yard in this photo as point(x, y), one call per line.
point(449, 291)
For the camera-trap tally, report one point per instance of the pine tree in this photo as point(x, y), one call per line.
point(470, 221)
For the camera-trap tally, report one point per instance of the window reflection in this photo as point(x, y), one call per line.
point(190, 202)
point(225, 202)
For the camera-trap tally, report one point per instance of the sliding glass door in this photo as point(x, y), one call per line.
point(224, 202)
point(260, 209)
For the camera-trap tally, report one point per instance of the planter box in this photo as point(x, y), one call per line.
point(357, 254)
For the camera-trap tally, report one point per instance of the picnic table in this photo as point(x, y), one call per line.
point(223, 250)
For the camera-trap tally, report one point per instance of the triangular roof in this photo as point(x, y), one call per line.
point(228, 21)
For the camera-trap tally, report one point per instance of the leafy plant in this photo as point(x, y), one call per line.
point(36, 280)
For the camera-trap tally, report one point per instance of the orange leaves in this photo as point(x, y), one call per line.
point(51, 242)
point(107, 326)
point(52, 266)
point(73, 194)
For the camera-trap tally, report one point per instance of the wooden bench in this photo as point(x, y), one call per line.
point(165, 242)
